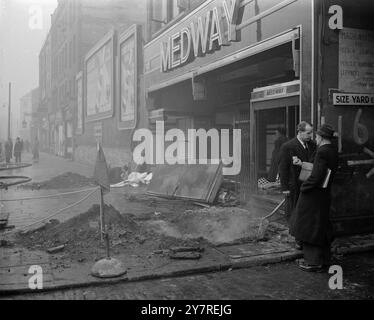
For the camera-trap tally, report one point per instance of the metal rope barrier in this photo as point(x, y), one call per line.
point(56, 213)
point(23, 179)
point(14, 166)
point(49, 196)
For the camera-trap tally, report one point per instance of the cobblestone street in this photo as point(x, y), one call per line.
point(282, 281)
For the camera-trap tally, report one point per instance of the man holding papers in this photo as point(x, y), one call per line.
point(311, 222)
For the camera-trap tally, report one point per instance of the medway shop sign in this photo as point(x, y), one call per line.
point(205, 32)
point(353, 99)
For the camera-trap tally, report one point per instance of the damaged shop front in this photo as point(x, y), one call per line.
point(234, 65)
point(346, 100)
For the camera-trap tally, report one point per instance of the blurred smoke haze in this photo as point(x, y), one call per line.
point(19, 54)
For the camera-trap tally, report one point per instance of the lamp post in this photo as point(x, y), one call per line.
point(9, 108)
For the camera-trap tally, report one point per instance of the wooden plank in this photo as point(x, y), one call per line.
point(213, 190)
point(369, 152)
point(359, 162)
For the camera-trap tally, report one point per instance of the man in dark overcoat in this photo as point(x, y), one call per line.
point(18, 150)
point(8, 150)
point(310, 223)
point(292, 153)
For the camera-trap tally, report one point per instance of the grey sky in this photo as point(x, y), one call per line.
point(19, 50)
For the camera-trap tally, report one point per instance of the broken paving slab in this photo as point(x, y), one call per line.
point(4, 216)
point(186, 255)
point(187, 249)
point(198, 182)
point(56, 249)
point(255, 249)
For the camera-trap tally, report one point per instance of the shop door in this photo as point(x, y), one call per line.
point(242, 122)
point(69, 139)
point(271, 118)
point(61, 142)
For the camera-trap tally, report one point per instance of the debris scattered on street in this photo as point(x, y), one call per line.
point(5, 243)
point(4, 216)
point(184, 255)
point(227, 198)
point(56, 249)
point(182, 181)
point(78, 234)
point(203, 205)
point(134, 180)
point(187, 249)
point(158, 252)
point(81, 236)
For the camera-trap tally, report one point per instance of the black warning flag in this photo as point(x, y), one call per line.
point(101, 176)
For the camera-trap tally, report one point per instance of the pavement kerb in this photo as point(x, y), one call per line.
point(355, 249)
point(232, 265)
point(242, 264)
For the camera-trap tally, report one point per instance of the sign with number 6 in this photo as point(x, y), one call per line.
point(360, 131)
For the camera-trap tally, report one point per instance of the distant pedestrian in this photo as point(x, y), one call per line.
point(1, 153)
point(27, 146)
point(280, 139)
point(22, 145)
point(11, 148)
point(35, 150)
point(18, 150)
point(8, 150)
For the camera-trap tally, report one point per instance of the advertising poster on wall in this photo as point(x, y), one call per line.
point(356, 62)
point(99, 80)
point(128, 93)
point(79, 84)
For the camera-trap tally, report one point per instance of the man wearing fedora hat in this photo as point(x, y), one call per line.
point(310, 223)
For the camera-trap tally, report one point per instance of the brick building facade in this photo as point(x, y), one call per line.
point(76, 26)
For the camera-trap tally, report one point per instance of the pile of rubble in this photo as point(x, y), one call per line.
point(63, 181)
point(79, 238)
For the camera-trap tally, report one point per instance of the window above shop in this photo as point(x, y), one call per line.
point(162, 13)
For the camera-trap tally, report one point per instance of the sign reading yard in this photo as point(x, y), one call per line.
point(353, 99)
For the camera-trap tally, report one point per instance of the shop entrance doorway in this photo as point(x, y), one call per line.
point(276, 113)
point(274, 127)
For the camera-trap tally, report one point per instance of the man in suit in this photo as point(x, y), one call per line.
point(311, 223)
point(292, 154)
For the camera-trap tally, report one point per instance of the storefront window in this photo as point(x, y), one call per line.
point(164, 11)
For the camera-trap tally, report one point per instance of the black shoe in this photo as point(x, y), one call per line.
point(309, 268)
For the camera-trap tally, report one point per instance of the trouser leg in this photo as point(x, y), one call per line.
point(316, 255)
point(289, 207)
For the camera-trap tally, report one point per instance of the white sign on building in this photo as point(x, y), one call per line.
point(356, 60)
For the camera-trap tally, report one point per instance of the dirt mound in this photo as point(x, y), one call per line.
point(80, 232)
point(63, 181)
point(81, 236)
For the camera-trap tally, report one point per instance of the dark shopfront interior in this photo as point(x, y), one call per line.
point(268, 120)
point(226, 105)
